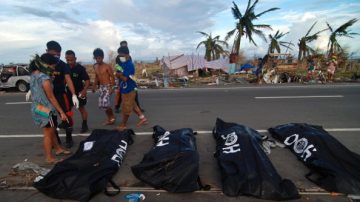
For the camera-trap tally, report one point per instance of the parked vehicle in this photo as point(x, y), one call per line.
point(15, 76)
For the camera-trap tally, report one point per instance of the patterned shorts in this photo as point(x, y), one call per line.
point(104, 97)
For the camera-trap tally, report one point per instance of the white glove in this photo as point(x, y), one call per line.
point(75, 101)
point(28, 95)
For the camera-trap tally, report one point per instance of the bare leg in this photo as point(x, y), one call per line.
point(125, 114)
point(143, 119)
point(84, 116)
point(137, 101)
point(117, 100)
point(124, 121)
point(83, 112)
point(137, 110)
point(110, 116)
point(49, 139)
point(55, 143)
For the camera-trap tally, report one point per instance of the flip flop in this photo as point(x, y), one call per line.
point(143, 121)
point(63, 152)
point(121, 128)
point(109, 122)
point(54, 161)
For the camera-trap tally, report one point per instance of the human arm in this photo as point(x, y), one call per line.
point(111, 74)
point(94, 87)
point(120, 76)
point(50, 95)
point(86, 86)
point(65, 70)
point(85, 77)
point(72, 90)
point(129, 70)
point(112, 79)
point(70, 84)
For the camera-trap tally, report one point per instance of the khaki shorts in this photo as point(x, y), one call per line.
point(128, 102)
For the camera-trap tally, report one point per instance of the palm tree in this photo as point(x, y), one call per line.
point(245, 26)
point(213, 46)
point(333, 45)
point(304, 49)
point(275, 43)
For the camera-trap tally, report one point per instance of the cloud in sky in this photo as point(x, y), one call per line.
point(155, 28)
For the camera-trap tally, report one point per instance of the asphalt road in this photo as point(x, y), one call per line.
point(335, 107)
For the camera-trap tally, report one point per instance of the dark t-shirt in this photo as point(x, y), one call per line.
point(59, 77)
point(78, 75)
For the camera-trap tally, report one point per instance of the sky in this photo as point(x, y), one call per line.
point(157, 28)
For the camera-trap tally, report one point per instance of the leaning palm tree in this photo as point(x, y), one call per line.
point(333, 45)
point(245, 26)
point(275, 42)
point(213, 46)
point(304, 49)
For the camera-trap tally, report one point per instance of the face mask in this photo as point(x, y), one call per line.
point(57, 57)
point(122, 59)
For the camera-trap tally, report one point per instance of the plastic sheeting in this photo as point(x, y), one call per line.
point(194, 62)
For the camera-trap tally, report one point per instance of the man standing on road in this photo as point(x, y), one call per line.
point(104, 76)
point(81, 81)
point(61, 76)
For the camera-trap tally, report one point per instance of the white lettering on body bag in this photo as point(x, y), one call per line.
point(88, 145)
point(163, 140)
point(120, 153)
point(230, 140)
point(300, 146)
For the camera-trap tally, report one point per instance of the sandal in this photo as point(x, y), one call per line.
point(109, 122)
point(53, 161)
point(121, 128)
point(63, 152)
point(142, 121)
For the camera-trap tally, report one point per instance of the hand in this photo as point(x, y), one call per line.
point(63, 117)
point(28, 95)
point(93, 90)
point(75, 101)
point(111, 90)
point(83, 93)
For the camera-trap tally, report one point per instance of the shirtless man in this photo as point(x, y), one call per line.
point(105, 78)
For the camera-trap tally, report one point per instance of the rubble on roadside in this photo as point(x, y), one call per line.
point(22, 174)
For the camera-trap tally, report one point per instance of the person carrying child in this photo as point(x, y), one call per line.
point(128, 89)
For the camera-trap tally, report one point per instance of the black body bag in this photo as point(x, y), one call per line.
point(173, 162)
point(244, 166)
point(89, 170)
point(333, 167)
